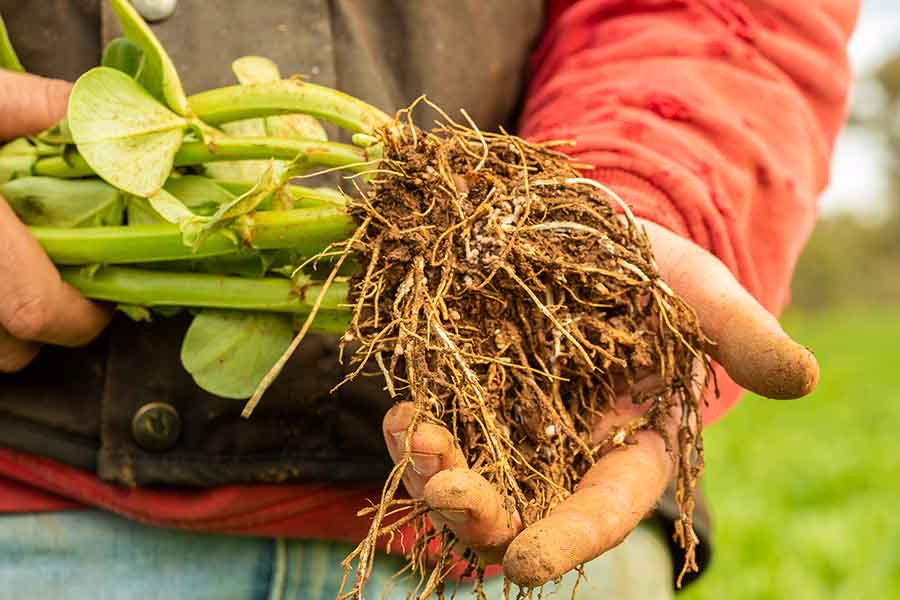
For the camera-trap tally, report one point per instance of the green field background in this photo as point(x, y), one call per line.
point(806, 494)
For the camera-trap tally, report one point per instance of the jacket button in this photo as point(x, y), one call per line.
point(155, 10)
point(156, 426)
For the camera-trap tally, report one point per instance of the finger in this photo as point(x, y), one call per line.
point(461, 499)
point(472, 508)
point(748, 341)
point(35, 304)
point(612, 498)
point(15, 354)
point(29, 104)
point(433, 448)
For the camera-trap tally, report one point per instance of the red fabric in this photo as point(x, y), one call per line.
point(714, 118)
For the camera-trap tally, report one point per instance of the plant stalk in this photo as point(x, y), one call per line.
point(287, 96)
point(307, 231)
point(324, 154)
point(8, 58)
point(150, 288)
point(304, 197)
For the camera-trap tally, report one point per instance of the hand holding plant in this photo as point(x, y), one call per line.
point(36, 305)
point(508, 303)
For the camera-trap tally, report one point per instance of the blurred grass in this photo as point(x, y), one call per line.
point(806, 494)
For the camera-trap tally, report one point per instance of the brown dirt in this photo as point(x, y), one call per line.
point(509, 300)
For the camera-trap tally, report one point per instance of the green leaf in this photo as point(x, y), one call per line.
point(8, 58)
point(17, 158)
point(139, 212)
point(124, 55)
point(170, 208)
point(158, 74)
point(275, 177)
point(257, 69)
point(240, 169)
point(125, 135)
point(304, 197)
point(198, 193)
point(229, 352)
point(50, 202)
point(251, 70)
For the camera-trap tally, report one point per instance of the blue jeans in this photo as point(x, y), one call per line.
point(89, 555)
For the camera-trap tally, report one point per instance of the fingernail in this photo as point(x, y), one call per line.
point(454, 515)
point(425, 465)
point(399, 440)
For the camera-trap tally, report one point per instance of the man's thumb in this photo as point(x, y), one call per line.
point(29, 104)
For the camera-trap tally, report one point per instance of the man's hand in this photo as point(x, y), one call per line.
point(625, 484)
point(36, 306)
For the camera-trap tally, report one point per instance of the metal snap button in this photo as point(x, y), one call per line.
point(155, 10)
point(156, 426)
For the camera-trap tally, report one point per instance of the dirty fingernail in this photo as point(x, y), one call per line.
point(426, 465)
point(456, 516)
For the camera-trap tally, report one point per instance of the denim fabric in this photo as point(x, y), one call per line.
point(97, 556)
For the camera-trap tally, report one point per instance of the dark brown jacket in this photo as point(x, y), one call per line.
point(462, 53)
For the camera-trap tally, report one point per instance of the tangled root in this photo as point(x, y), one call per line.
point(511, 300)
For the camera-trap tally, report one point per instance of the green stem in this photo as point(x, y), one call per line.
point(324, 154)
point(68, 166)
point(306, 197)
point(307, 231)
point(200, 290)
point(283, 97)
point(8, 58)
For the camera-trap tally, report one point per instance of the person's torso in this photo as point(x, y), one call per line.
point(110, 406)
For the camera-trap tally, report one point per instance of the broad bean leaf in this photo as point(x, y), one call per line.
point(272, 180)
point(124, 55)
point(229, 352)
point(198, 193)
point(50, 202)
point(158, 74)
point(257, 69)
point(170, 208)
point(139, 212)
point(125, 135)
point(240, 169)
point(250, 70)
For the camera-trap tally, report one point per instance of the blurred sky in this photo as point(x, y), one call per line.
point(858, 180)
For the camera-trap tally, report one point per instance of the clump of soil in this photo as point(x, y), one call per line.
point(511, 300)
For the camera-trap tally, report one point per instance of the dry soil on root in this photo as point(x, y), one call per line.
point(508, 298)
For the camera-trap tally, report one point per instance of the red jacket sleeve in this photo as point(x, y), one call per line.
point(714, 118)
